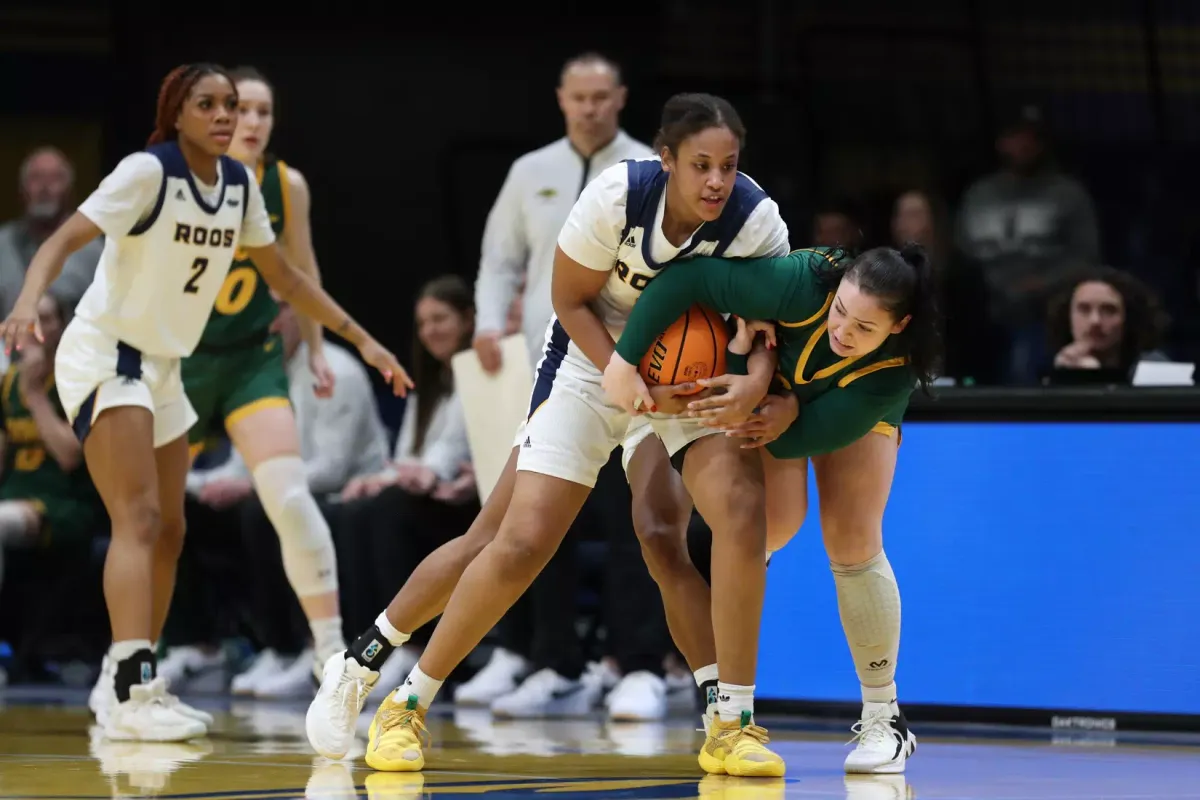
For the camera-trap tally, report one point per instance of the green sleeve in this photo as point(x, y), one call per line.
point(784, 287)
point(843, 416)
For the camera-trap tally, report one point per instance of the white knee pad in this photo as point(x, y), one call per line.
point(304, 538)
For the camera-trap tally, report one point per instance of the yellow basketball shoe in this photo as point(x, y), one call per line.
point(397, 735)
point(739, 748)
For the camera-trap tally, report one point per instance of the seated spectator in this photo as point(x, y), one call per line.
point(970, 347)
point(426, 496)
point(1106, 321)
point(46, 495)
point(341, 437)
point(1027, 226)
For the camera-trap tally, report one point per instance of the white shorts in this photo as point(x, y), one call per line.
point(572, 429)
point(94, 371)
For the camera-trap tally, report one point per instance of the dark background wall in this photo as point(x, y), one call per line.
point(405, 121)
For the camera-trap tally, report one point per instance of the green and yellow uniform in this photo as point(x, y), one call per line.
point(71, 508)
point(841, 399)
point(238, 366)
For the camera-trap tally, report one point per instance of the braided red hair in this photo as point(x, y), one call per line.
point(174, 91)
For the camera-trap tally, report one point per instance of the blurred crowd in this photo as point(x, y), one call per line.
point(1027, 298)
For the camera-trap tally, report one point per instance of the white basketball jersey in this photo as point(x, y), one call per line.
point(616, 226)
point(155, 286)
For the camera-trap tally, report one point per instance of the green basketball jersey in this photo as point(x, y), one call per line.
point(244, 307)
point(30, 473)
point(841, 398)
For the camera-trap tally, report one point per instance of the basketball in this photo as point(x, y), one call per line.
point(691, 349)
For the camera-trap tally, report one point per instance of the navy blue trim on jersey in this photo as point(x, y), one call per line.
point(175, 166)
point(129, 368)
point(556, 351)
point(144, 224)
point(648, 180)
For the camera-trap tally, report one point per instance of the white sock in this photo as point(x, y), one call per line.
point(705, 674)
point(419, 684)
point(733, 701)
point(879, 694)
point(395, 638)
point(327, 637)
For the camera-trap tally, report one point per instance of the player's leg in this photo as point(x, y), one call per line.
point(786, 483)
point(854, 484)
point(112, 410)
point(174, 417)
point(119, 450)
point(262, 426)
point(662, 509)
point(172, 461)
point(426, 592)
point(726, 482)
point(346, 681)
point(570, 435)
point(542, 509)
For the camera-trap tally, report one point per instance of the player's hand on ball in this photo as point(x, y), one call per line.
point(21, 324)
point(774, 416)
point(674, 399)
point(625, 387)
point(381, 359)
point(734, 401)
point(323, 373)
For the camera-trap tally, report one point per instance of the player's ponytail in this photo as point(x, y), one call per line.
point(904, 283)
point(171, 95)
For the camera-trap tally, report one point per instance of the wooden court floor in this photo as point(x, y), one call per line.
point(257, 751)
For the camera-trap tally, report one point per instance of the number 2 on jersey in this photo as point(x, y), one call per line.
point(198, 267)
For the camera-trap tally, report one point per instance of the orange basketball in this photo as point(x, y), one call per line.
point(691, 349)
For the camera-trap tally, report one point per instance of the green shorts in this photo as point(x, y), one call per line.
point(226, 385)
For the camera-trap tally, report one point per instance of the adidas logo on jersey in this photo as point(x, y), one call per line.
point(527, 442)
point(179, 194)
point(631, 241)
point(232, 203)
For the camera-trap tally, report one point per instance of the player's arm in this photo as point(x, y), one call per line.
point(843, 416)
point(306, 295)
point(46, 266)
point(584, 259)
point(122, 199)
point(297, 246)
point(573, 288)
point(756, 288)
point(308, 298)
